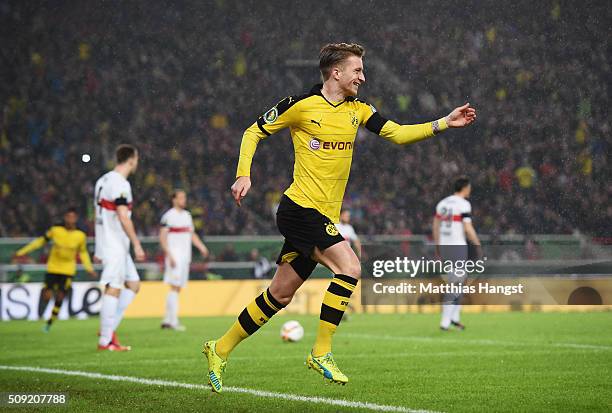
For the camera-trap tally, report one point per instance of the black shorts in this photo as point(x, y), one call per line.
point(58, 282)
point(303, 229)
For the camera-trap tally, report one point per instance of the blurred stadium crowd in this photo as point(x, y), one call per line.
point(183, 81)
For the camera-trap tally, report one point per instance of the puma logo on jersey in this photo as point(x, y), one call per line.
point(315, 122)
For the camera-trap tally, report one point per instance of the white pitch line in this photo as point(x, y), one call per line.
point(475, 341)
point(427, 339)
point(252, 392)
point(585, 346)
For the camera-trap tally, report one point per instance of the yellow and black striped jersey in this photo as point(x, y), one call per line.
point(67, 243)
point(323, 135)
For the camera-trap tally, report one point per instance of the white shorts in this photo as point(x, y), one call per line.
point(117, 268)
point(178, 275)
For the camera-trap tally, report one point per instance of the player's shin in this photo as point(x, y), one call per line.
point(43, 302)
point(255, 315)
point(55, 312)
point(125, 298)
point(456, 313)
point(447, 310)
point(107, 318)
point(334, 304)
point(171, 308)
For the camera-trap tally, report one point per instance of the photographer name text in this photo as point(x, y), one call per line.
point(454, 288)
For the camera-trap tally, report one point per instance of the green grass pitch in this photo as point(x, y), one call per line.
point(540, 362)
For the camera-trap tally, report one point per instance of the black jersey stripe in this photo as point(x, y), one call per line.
point(260, 123)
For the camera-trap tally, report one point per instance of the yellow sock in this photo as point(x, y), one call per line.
point(334, 304)
point(255, 315)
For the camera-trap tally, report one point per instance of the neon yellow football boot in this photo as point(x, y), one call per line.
point(216, 366)
point(326, 366)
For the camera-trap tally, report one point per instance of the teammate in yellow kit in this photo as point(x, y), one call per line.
point(323, 125)
point(68, 243)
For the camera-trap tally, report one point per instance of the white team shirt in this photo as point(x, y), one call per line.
point(180, 228)
point(347, 231)
point(452, 212)
point(111, 190)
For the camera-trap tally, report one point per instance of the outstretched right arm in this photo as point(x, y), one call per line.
point(460, 117)
point(275, 119)
point(35, 244)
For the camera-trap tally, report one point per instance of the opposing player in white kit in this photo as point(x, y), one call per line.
point(451, 225)
point(348, 232)
point(175, 236)
point(114, 231)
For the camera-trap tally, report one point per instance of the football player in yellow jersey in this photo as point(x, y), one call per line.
point(68, 243)
point(323, 125)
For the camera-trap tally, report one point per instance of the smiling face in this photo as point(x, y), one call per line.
point(341, 66)
point(350, 75)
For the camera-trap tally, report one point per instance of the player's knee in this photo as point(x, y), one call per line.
point(352, 269)
point(112, 291)
point(133, 285)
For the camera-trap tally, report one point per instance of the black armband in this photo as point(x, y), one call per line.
point(375, 123)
